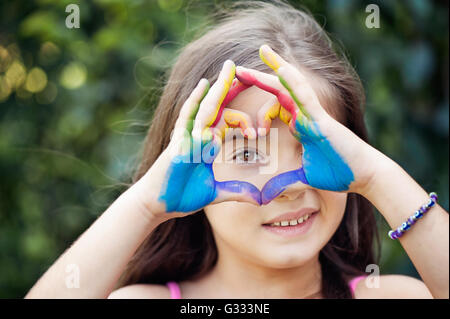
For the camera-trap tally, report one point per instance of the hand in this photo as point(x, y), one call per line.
point(334, 158)
point(182, 177)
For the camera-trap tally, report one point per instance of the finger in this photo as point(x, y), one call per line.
point(189, 109)
point(236, 119)
point(271, 58)
point(294, 81)
point(268, 83)
point(268, 112)
point(236, 88)
point(210, 105)
point(237, 191)
point(276, 185)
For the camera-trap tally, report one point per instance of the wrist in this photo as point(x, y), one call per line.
point(382, 168)
point(141, 200)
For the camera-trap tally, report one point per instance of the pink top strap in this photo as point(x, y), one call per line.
point(354, 282)
point(174, 289)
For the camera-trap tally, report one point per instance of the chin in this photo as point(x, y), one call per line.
point(287, 258)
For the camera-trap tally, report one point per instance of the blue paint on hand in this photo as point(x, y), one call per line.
point(191, 186)
point(324, 168)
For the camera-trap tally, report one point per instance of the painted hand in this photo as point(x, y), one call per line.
point(188, 183)
point(330, 150)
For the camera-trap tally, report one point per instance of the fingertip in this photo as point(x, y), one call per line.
point(250, 133)
point(264, 48)
point(204, 86)
point(229, 64)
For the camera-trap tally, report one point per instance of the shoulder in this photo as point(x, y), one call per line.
point(141, 291)
point(391, 287)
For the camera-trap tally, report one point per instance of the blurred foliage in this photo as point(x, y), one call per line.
point(75, 105)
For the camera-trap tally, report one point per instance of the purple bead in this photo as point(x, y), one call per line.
point(397, 233)
point(394, 234)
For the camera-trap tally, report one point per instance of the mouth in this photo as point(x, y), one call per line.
point(292, 224)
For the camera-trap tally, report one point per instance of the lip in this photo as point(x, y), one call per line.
point(292, 231)
point(292, 215)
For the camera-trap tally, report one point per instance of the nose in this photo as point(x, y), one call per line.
point(287, 186)
point(291, 193)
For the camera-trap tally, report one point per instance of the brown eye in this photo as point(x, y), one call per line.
point(246, 156)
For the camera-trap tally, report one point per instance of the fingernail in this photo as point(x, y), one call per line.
point(265, 47)
point(228, 62)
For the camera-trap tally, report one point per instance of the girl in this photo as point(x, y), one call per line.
point(199, 227)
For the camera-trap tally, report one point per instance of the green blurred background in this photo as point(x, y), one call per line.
point(75, 103)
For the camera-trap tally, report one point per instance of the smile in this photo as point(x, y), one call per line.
point(292, 222)
point(292, 227)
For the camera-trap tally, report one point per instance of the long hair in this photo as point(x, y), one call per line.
point(184, 248)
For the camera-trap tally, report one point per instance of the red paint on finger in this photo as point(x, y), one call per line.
point(285, 100)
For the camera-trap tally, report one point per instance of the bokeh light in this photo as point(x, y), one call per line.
point(73, 75)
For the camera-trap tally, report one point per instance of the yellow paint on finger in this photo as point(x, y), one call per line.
point(227, 84)
point(270, 59)
point(271, 114)
point(285, 116)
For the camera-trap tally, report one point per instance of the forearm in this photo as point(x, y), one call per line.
point(101, 253)
point(397, 196)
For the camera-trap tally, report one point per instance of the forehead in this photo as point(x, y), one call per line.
point(250, 101)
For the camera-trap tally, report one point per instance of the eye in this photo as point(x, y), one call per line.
point(246, 156)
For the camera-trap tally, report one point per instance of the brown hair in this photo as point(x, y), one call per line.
point(184, 248)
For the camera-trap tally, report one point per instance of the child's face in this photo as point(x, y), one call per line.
point(238, 227)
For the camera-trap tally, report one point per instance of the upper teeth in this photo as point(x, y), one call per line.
point(292, 222)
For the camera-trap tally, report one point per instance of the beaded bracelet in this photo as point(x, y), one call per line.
point(395, 234)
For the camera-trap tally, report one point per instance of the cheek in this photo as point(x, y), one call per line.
point(233, 222)
point(333, 209)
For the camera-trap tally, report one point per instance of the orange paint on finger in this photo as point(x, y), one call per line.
point(234, 119)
